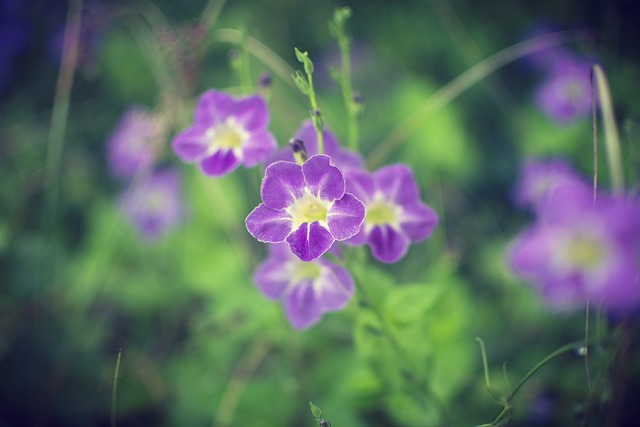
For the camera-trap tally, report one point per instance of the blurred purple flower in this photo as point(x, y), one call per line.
point(579, 250)
point(227, 131)
point(307, 289)
point(134, 143)
point(566, 94)
point(344, 159)
point(154, 203)
point(396, 216)
point(540, 178)
point(306, 206)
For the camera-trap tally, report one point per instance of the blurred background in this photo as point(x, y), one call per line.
point(81, 280)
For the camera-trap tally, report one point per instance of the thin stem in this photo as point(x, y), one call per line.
point(60, 111)
point(259, 51)
point(115, 389)
point(464, 81)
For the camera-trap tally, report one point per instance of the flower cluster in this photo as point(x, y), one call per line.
point(307, 205)
point(579, 249)
point(152, 202)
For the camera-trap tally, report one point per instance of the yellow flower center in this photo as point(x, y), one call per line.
point(306, 270)
point(156, 201)
point(379, 213)
point(585, 251)
point(228, 138)
point(308, 208)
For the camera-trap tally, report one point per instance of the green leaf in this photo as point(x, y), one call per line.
point(317, 413)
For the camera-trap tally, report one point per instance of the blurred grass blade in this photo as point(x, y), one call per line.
point(611, 135)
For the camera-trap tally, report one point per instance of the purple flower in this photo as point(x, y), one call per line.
point(308, 289)
point(579, 250)
point(227, 131)
point(395, 214)
point(134, 143)
point(566, 94)
point(306, 206)
point(154, 204)
point(344, 159)
point(540, 178)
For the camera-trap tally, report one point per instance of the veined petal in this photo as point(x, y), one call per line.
point(323, 179)
point(269, 225)
point(272, 278)
point(361, 184)
point(417, 221)
point(397, 184)
point(283, 183)
point(257, 148)
point(301, 306)
point(219, 163)
point(191, 143)
point(310, 241)
point(251, 113)
point(387, 244)
point(335, 287)
point(213, 108)
point(345, 217)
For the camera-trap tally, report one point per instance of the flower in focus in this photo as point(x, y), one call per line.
point(396, 216)
point(540, 178)
point(133, 145)
point(227, 131)
point(154, 204)
point(581, 250)
point(307, 289)
point(306, 206)
point(566, 94)
point(344, 159)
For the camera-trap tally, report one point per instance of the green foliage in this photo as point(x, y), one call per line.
point(440, 145)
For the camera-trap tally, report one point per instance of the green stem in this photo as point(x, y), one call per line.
point(507, 405)
point(337, 28)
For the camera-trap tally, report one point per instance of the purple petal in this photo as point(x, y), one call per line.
point(257, 148)
point(272, 278)
point(269, 225)
point(213, 108)
point(397, 184)
point(251, 113)
point(361, 184)
point(387, 244)
point(301, 306)
point(283, 183)
point(307, 134)
point(220, 163)
point(529, 253)
point(347, 160)
point(322, 178)
point(417, 221)
point(335, 287)
point(345, 217)
point(190, 144)
point(359, 239)
point(309, 242)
